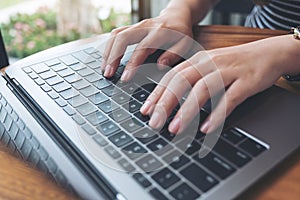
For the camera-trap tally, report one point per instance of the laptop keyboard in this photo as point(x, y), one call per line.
point(108, 111)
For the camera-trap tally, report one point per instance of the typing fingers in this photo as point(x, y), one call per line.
point(117, 46)
point(203, 90)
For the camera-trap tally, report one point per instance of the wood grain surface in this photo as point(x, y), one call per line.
point(19, 181)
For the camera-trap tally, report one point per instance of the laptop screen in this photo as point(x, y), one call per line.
point(3, 55)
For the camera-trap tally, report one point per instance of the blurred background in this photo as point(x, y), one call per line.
point(29, 26)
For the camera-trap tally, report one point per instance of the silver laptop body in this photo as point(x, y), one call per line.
point(270, 119)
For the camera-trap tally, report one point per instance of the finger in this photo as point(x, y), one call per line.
point(160, 88)
point(238, 92)
point(178, 85)
point(109, 45)
point(120, 43)
point(203, 90)
point(175, 53)
point(153, 41)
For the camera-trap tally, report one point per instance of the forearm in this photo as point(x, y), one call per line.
point(192, 11)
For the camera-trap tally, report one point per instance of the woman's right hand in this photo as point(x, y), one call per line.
point(169, 32)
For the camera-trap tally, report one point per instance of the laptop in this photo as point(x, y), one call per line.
point(61, 115)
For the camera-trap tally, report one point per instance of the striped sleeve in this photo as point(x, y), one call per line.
point(278, 14)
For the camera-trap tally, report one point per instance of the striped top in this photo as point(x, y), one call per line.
point(278, 14)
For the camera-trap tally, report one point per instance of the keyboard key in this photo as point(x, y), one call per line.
point(111, 90)
point(131, 125)
point(40, 68)
point(54, 80)
point(77, 66)
point(27, 70)
point(39, 81)
point(183, 192)
point(86, 109)
point(145, 135)
point(120, 139)
point(165, 178)
point(188, 145)
point(108, 128)
point(142, 180)
point(90, 50)
point(89, 129)
point(46, 88)
point(157, 194)
point(77, 101)
point(159, 146)
point(61, 87)
point(176, 159)
point(134, 150)
point(69, 93)
point(216, 165)
point(93, 77)
point(60, 102)
point(252, 147)
point(33, 75)
point(100, 140)
point(52, 62)
point(108, 106)
point(69, 110)
point(89, 91)
point(149, 163)
point(141, 96)
point(132, 106)
point(149, 87)
point(233, 136)
point(119, 115)
point(95, 65)
point(73, 78)
point(199, 177)
point(170, 136)
point(53, 94)
point(96, 118)
point(126, 165)
point(98, 98)
point(83, 57)
point(131, 88)
point(96, 55)
point(68, 60)
point(80, 84)
point(140, 116)
point(112, 152)
point(59, 67)
point(103, 83)
point(85, 72)
point(65, 72)
point(231, 153)
point(47, 74)
point(121, 98)
point(78, 119)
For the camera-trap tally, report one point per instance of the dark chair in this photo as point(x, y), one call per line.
point(223, 11)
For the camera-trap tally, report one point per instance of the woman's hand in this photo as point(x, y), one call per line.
point(239, 71)
point(166, 32)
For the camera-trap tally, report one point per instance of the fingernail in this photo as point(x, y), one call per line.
point(163, 64)
point(175, 125)
point(125, 76)
point(108, 70)
point(145, 108)
point(155, 120)
point(204, 128)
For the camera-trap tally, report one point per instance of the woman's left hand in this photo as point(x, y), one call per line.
point(239, 71)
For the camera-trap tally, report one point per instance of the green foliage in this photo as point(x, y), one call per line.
point(26, 34)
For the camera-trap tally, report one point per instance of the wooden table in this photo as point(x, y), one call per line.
point(19, 181)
